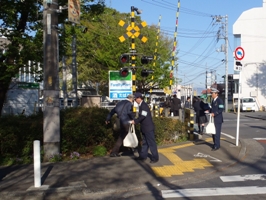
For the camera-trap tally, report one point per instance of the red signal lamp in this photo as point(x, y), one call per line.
point(124, 72)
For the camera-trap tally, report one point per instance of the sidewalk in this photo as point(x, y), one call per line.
point(113, 178)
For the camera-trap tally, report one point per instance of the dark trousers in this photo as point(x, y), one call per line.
point(122, 134)
point(176, 112)
point(216, 137)
point(148, 142)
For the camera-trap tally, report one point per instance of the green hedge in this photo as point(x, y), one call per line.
point(82, 130)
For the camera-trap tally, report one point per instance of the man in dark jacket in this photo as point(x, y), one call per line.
point(176, 105)
point(123, 109)
point(188, 103)
point(147, 129)
point(216, 111)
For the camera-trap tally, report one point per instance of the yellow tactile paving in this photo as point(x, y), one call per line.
point(179, 166)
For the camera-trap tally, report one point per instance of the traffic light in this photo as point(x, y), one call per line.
point(146, 72)
point(124, 72)
point(146, 59)
point(124, 58)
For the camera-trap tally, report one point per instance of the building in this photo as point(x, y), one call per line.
point(250, 33)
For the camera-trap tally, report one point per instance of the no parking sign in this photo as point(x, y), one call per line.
point(239, 53)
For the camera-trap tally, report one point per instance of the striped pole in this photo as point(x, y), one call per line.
point(174, 47)
point(133, 49)
point(155, 52)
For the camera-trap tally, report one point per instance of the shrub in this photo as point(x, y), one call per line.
point(74, 155)
point(83, 130)
point(55, 157)
point(99, 151)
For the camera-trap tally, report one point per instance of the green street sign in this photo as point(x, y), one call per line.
point(119, 86)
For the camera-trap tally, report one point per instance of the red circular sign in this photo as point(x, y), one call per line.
point(239, 53)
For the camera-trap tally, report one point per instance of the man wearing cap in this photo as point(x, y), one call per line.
point(123, 109)
point(147, 129)
point(216, 111)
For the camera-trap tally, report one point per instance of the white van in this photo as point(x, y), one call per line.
point(246, 104)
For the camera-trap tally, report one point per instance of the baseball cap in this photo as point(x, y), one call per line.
point(138, 95)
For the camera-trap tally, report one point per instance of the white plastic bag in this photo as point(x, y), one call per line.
point(210, 128)
point(131, 139)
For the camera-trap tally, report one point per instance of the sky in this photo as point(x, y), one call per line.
point(198, 48)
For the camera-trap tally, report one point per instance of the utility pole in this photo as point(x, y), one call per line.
point(51, 113)
point(74, 67)
point(219, 19)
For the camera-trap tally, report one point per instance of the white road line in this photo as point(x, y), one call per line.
point(251, 177)
point(230, 136)
point(259, 138)
point(202, 192)
point(227, 135)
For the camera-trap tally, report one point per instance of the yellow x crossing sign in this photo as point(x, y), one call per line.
point(132, 31)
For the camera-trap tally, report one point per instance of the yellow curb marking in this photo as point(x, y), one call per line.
point(179, 166)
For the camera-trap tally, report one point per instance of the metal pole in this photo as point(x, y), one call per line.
point(238, 109)
point(74, 69)
point(64, 82)
point(51, 112)
point(37, 163)
point(226, 64)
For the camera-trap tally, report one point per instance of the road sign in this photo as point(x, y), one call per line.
point(239, 53)
point(119, 87)
point(132, 32)
point(238, 66)
point(74, 11)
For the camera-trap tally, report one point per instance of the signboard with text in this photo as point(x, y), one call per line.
point(74, 11)
point(119, 87)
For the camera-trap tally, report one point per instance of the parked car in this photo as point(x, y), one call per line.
point(246, 104)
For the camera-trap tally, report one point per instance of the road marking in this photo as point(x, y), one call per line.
point(179, 166)
point(201, 155)
point(251, 177)
point(259, 138)
point(242, 120)
point(202, 192)
point(225, 134)
point(230, 136)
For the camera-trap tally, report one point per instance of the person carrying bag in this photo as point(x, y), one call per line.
point(210, 128)
point(131, 139)
point(124, 112)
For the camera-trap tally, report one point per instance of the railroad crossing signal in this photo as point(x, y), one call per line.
point(132, 32)
point(124, 72)
point(124, 58)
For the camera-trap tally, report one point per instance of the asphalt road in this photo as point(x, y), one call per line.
point(237, 182)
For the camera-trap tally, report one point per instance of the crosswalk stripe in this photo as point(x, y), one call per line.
point(201, 192)
point(251, 177)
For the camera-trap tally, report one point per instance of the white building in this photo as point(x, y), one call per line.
point(250, 33)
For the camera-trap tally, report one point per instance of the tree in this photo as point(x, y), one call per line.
point(99, 49)
point(21, 27)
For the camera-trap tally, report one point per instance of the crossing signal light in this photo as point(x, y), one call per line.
point(124, 58)
point(146, 59)
point(146, 72)
point(124, 72)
